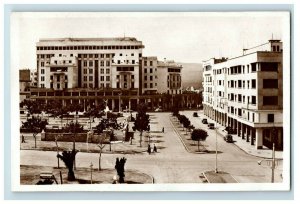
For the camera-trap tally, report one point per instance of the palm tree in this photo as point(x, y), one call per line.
point(68, 157)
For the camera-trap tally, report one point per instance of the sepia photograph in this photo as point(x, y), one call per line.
point(150, 101)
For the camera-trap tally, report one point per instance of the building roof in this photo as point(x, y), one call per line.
point(88, 41)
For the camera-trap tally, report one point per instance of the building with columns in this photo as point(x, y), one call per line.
point(87, 71)
point(245, 93)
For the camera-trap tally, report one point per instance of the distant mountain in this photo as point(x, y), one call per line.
point(192, 75)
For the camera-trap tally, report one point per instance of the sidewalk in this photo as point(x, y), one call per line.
point(250, 149)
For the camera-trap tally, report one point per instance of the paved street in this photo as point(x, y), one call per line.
point(172, 163)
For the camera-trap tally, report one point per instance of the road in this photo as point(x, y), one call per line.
point(172, 163)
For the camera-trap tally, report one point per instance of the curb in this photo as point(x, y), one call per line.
point(179, 136)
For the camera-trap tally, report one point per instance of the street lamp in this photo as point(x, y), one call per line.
point(120, 102)
point(216, 162)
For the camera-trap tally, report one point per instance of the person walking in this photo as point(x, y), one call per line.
point(163, 130)
point(23, 139)
point(154, 148)
point(149, 149)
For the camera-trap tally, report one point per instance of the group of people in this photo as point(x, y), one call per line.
point(154, 149)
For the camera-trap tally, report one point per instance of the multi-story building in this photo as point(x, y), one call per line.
point(24, 84)
point(149, 75)
point(169, 74)
point(87, 71)
point(33, 78)
point(245, 93)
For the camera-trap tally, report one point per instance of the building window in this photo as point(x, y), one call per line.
point(151, 78)
point(51, 77)
point(145, 85)
point(42, 71)
point(42, 78)
point(85, 85)
point(270, 84)
point(253, 67)
point(90, 78)
point(101, 78)
point(107, 85)
point(66, 77)
point(145, 63)
point(132, 85)
point(270, 118)
point(66, 85)
point(107, 78)
point(91, 85)
point(101, 55)
point(58, 86)
point(151, 85)
point(107, 71)
point(253, 83)
point(84, 63)
point(90, 56)
point(90, 63)
point(151, 70)
point(121, 54)
point(145, 71)
point(102, 63)
point(151, 63)
point(253, 100)
point(42, 85)
point(270, 100)
point(269, 66)
point(102, 71)
point(119, 62)
point(85, 78)
point(133, 61)
point(42, 64)
point(85, 71)
point(51, 85)
point(145, 78)
point(107, 63)
point(107, 56)
point(118, 85)
point(90, 71)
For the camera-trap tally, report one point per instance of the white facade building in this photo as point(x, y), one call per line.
point(245, 93)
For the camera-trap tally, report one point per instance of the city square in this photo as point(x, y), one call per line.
point(139, 109)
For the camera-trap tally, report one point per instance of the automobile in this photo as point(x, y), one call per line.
point(204, 121)
point(158, 110)
point(228, 138)
point(211, 125)
point(195, 114)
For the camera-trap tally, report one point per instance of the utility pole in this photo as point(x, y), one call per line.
point(273, 163)
point(216, 165)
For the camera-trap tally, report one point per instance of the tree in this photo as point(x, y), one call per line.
point(68, 158)
point(35, 125)
point(74, 128)
point(186, 123)
point(199, 135)
point(120, 168)
point(142, 121)
point(32, 107)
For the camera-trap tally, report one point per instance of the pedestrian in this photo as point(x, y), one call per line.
point(23, 139)
point(163, 130)
point(154, 148)
point(149, 149)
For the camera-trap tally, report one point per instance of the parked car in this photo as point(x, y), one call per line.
point(195, 114)
point(204, 121)
point(211, 125)
point(228, 138)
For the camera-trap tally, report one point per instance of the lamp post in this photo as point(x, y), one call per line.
point(120, 102)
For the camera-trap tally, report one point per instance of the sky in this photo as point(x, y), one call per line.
point(183, 37)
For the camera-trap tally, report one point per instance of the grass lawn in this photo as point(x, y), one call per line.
point(30, 175)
